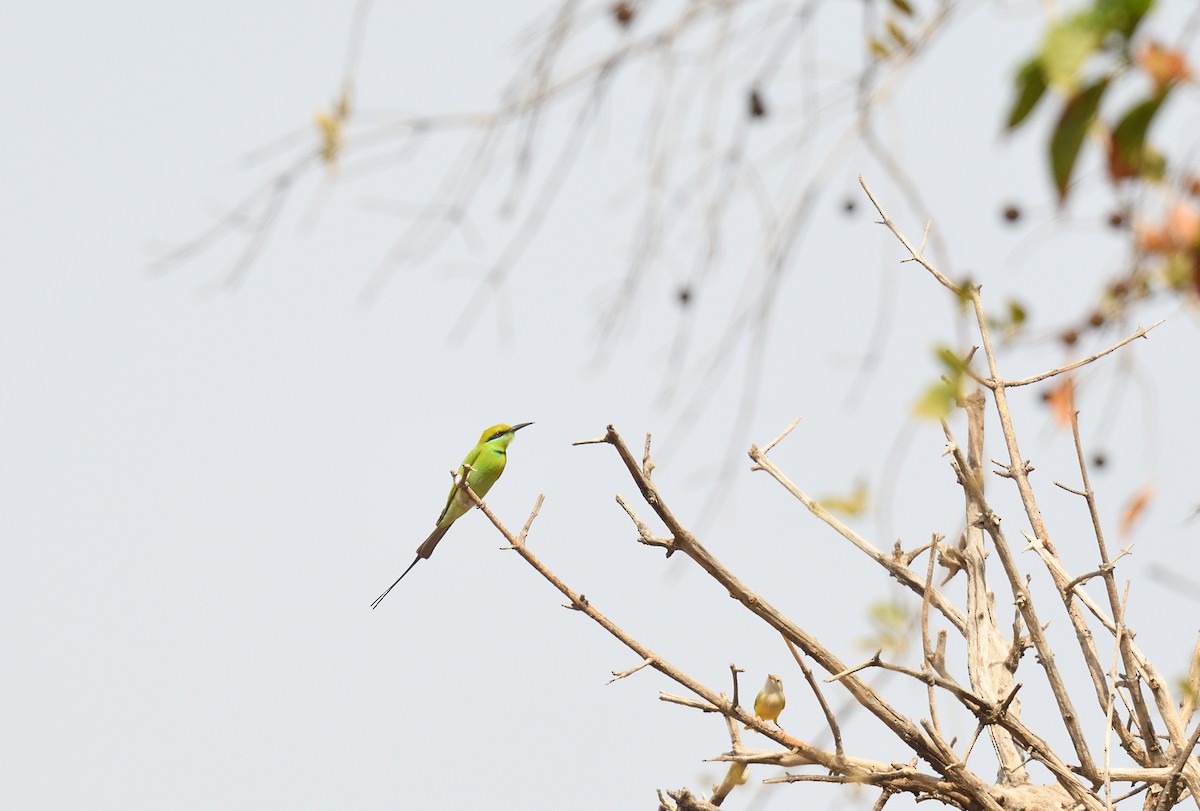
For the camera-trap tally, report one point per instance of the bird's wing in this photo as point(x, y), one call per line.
point(449, 499)
point(470, 459)
point(453, 489)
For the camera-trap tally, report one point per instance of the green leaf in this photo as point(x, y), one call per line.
point(1187, 688)
point(949, 359)
point(890, 623)
point(878, 48)
point(1154, 164)
point(1009, 324)
point(1067, 47)
point(1178, 271)
point(1077, 116)
point(1119, 16)
point(903, 7)
point(897, 33)
point(889, 614)
point(965, 285)
point(1031, 86)
point(852, 505)
point(1129, 136)
point(936, 402)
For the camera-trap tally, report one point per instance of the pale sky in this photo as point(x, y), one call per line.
point(204, 489)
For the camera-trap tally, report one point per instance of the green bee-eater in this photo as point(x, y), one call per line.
point(483, 464)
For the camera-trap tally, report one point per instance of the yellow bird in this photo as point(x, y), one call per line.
point(770, 700)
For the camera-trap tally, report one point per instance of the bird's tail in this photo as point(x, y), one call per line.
point(379, 599)
point(426, 549)
point(423, 551)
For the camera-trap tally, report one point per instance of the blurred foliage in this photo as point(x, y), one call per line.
point(1010, 323)
point(891, 622)
point(1101, 82)
point(1108, 86)
point(1082, 58)
point(851, 505)
point(939, 398)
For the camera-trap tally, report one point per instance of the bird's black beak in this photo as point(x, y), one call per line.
point(518, 427)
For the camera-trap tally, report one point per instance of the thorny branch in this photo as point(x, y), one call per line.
point(1141, 742)
point(1165, 773)
point(1172, 768)
point(993, 660)
point(933, 751)
point(796, 752)
point(953, 782)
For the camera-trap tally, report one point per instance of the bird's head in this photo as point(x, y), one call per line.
point(501, 433)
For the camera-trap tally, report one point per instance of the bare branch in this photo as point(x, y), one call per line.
point(645, 536)
point(900, 572)
point(926, 651)
point(1018, 470)
point(1153, 752)
point(684, 800)
point(849, 671)
point(862, 692)
point(618, 675)
point(684, 701)
point(900, 779)
point(914, 253)
point(1020, 475)
point(782, 434)
point(830, 719)
point(1171, 790)
point(720, 704)
point(537, 507)
point(1024, 600)
point(1140, 332)
point(987, 650)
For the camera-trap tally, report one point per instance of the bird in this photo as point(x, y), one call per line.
point(482, 466)
point(770, 700)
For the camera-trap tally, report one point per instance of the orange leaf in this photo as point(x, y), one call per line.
point(1152, 239)
point(1165, 65)
point(1119, 166)
point(1061, 400)
point(1183, 226)
point(1136, 506)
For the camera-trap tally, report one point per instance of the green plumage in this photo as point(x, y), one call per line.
point(484, 463)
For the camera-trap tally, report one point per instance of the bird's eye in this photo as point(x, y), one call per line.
point(497, 435)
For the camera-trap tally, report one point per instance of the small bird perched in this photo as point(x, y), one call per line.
point(770, 700)
point(483, 466)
